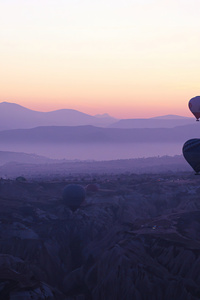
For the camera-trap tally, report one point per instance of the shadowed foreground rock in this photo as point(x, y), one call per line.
point(137, 238)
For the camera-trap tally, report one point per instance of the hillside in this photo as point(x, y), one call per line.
point(8, 156)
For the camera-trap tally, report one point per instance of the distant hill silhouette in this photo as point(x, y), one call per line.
point(14, 116)
point(91, 134)
point(19, 157)
point(171, 117)
point(168, 121)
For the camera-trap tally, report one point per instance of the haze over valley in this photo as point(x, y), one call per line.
point(70, 134)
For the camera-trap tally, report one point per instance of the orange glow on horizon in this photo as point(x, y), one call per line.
point(134, 110)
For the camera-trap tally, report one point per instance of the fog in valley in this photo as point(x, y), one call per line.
point(97, 151)
point(70, 134)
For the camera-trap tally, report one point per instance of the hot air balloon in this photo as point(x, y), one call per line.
point(191, 152)
point(92, 188)
point(73, 196)
point(194, 106)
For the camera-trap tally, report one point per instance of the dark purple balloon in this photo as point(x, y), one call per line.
point(73, 196)
point(191, 152)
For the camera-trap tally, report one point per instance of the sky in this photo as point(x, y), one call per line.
point(131, 59)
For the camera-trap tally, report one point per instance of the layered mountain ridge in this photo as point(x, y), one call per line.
point(14, 116)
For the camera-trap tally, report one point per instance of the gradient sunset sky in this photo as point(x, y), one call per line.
point(131, 59)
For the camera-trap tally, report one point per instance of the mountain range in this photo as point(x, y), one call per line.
point(92, 134)
point(14, 116)
point(71, 134)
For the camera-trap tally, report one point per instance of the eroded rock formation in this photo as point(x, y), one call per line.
point(138, 237)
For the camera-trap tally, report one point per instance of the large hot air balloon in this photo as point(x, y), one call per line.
point(73, 196)
point(191, 152)
point(194, 106)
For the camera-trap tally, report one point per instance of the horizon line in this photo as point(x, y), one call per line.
point(100, 114)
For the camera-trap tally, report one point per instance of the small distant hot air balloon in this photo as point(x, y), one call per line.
point(92, 188)
point(73, 196)
point(191, 152)
point(194, 106)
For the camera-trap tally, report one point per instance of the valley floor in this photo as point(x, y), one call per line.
point(137, 237)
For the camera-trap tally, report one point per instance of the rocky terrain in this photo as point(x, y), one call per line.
point(136, 237)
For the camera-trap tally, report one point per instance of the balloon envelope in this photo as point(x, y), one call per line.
point(73, 195)
point(194, 106)
point(191, 152)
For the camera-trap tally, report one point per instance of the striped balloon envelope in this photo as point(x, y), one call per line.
point(194, 106)
point(191, 153)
